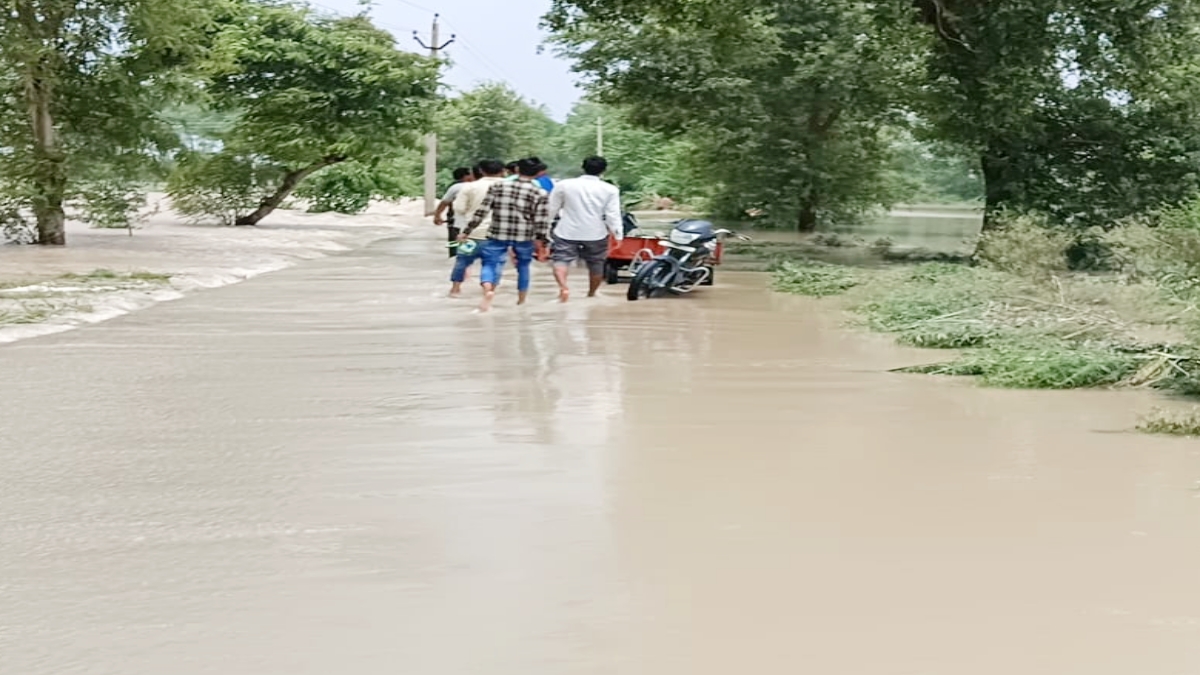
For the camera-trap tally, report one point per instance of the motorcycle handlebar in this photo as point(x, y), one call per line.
point(734, 234)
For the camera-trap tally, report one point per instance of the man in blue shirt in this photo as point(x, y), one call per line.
point(543, 178)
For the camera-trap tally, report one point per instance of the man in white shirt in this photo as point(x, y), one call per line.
point(588, 210)
point(466, 202)
point(462, 176)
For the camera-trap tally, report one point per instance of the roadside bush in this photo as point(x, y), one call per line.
point(1031, 362)
point(1025, 245)
point(813, 279)
point(221, 186)
point(111, 203)
point(1164, 248)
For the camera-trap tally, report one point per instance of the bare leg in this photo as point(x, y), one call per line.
point(594, 282)
point(489, 295)
point(560, 275)
point(522, 296)
point(455, 289)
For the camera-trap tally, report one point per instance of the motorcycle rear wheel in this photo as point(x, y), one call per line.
point(651, 278)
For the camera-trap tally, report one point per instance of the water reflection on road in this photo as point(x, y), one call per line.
point(336, 470)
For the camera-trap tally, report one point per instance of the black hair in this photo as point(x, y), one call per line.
point(491, 167)
point(513, 166)
point(461, 173)
point(529, 167)
point(477, 171)
point(594, 166)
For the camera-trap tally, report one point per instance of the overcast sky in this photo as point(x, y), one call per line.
point(495, 40)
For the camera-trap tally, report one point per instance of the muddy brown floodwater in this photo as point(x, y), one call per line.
point(332, 469)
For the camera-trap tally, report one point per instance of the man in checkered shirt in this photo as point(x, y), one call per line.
point(520, 223)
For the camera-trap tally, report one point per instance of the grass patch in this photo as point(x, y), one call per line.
point(110, 275)
point(38, 312)
point(1041, 363)
point(817, 280)
point(1171, 423)
point(935, 305)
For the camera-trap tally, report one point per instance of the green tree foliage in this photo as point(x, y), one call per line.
point(349, 187)
point(309, 92)
point(80, 87)
point(644, 164)
point(933, 172)
point(786, 101)
point(1083, 109)
point(492, 122)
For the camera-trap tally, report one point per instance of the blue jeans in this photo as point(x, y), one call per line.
point(495, 251)
point(463, 262)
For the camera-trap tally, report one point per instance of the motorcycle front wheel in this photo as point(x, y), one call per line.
point(653, 277)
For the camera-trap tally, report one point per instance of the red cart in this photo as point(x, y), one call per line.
point(631, 252)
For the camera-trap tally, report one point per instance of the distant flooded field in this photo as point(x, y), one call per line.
point(933, 227)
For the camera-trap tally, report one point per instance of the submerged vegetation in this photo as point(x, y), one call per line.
point(1172, 423)
point(1019, 317)
point(38, 301)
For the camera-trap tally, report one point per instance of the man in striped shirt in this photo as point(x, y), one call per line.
point(520, 223)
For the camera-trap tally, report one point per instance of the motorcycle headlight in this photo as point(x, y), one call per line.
point(710, 245)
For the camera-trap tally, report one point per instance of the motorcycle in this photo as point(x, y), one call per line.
point(689, 253)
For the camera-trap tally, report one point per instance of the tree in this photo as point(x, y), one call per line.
point(493, 122)
point(80, 86)
point(643, 163)
point(786, 101)
point(1083, 109)
point(309, 92)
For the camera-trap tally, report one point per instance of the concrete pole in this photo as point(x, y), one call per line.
point(435, 47)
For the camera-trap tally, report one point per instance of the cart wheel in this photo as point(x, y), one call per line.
point(611, 275)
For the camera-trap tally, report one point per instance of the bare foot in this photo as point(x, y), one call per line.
point(488, 298)
point(521, 297)
point(564, 295)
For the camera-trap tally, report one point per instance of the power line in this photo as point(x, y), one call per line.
point(416, 6)
point(498, 72)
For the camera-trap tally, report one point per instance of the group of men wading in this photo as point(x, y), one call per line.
point(495, 212)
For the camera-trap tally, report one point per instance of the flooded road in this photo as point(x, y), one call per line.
point(332, 469)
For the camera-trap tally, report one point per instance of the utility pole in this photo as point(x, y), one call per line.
point(600, 136)
point(435, 46)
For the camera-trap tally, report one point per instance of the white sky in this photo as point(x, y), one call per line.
point(496, 40)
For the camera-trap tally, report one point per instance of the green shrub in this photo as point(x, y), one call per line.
point(1025, 245)
point(350, 186)
point(15, 227)
point(221, 186)
point(936, 305)
point(1164, 248)
point(1171, 423)
point(343, 188)
point(813, 279)
point(1037, 362)
point(110, 203)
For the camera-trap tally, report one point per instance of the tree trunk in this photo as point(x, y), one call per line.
point(49, 175)
point(998, 184)
point(290, 181)
point(808, 217)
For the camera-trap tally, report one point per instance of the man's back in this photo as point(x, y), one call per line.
point(518, 211)
point(588, 208)
point(469, 199)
